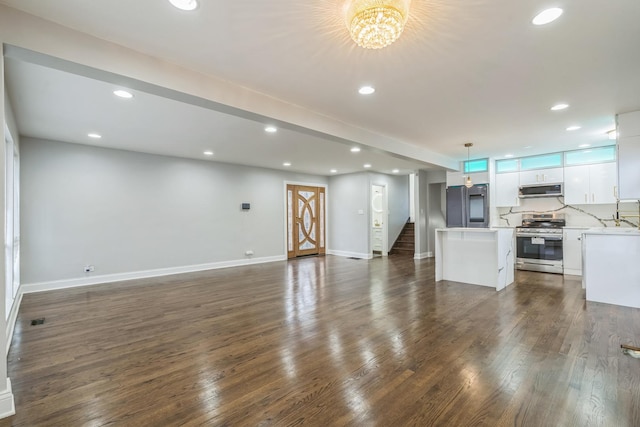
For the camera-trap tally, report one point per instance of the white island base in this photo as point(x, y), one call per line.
point(611, 266)
point(478, 256)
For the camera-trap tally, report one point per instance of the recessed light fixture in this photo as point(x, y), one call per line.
point(286, 164)
point(184, 4)
point(528, 146)
point(559, 107)
point(366, 165)
point(271, 129)
point(355, 149)
point(94, 135)
point(334, 171)
point(584, 145)
point(508, 156)
point(208, 153)
point(366, 90)
point(123, 94)
point(570, 128)
point(612, 134)
point(547, 16)
point(395, 170)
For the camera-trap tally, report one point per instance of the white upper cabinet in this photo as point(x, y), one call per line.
point(629, 155)
point(506, 189)
point(590, 184)
point(542, 176)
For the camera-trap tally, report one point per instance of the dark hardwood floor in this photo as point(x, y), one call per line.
point(324, 342)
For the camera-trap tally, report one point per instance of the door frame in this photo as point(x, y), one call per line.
point(284, 212)
point(385, 221)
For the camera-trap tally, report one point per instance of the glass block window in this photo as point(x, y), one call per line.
point(590, 155)
point(510, 165)
point(553, 160)
point(477, 165)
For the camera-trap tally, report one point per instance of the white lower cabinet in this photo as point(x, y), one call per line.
point(590, 184)
point(572, 250)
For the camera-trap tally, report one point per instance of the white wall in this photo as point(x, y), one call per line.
point(350, 194)
point(128, 212)
point(348, 227)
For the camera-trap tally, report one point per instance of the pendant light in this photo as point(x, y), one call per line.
point(467, 181)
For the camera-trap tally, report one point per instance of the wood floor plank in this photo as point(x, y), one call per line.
point(325, 341)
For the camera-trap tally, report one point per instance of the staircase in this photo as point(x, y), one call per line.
point(405, 245)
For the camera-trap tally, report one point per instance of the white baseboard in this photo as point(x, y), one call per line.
point(348, 254)
point(13, 317)
point(118, 277)
point(423, 255)
point(7, 405)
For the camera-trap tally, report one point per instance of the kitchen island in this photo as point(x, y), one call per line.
point(478, 256)
point(611, 267)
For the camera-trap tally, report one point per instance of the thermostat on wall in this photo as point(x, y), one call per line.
point(246, 206)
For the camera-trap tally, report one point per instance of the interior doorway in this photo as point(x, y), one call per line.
point(379, 234)
point(305, 220)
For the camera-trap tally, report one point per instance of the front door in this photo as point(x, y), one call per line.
point(305, 220)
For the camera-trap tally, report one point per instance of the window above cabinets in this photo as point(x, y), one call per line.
point(477, 165)
point(590, 156)
point(542, 161)
point(558, 160)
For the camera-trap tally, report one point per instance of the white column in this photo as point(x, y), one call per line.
point(7, 406)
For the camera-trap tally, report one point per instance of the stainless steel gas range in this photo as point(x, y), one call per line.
point(539, 243)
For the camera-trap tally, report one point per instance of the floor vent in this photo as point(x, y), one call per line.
point(35, 322)
point(352, 257)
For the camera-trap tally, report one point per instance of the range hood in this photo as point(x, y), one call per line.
point(540, 190)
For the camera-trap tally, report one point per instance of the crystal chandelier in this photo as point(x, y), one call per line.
point(374, 24)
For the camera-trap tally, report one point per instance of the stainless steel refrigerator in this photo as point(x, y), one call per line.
point(468, 207)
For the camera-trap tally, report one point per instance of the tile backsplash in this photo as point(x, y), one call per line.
point(576, 215)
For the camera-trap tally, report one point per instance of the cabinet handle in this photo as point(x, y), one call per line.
point(537, 179)
point(593, 197)
point(586, 198)
point(544, 177)
point(615, 191)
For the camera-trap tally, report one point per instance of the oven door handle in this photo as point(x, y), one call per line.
point(546, 237)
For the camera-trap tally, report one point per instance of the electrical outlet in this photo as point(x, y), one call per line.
point(248, 253)
point(89, 268)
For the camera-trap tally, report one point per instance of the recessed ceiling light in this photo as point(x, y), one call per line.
point(271, 129)
point(286, 164)
point(123, 94)
point(584, 145)
point(366, 90)
point(570, 128)
point(395, 170)
point(547, 16)
point(355, 149)
point(94, 135)
point(558, 107)
point(508, 156)
point(612, 134)
point(208, 153)
point(333, 170)
point(367, 165)
point(184, 4)
point(528, 146)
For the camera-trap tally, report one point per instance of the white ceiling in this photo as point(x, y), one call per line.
point(463, 70)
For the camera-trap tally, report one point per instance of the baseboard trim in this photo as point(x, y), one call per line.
point(13, 318)
point(7, 405)
point(348, 254)
point(423, 255)
point(118, 277)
